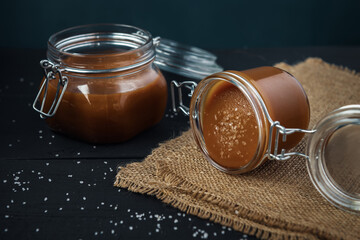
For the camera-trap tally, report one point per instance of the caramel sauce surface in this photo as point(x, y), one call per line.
point(229, 125)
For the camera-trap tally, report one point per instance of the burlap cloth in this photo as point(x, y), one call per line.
point(277, 200)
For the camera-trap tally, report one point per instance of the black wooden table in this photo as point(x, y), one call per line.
point(54, 187)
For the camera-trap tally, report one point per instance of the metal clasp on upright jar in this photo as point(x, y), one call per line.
point(51, 71)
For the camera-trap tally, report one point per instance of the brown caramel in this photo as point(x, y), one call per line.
point(285, 99)
point(229, 124)
point(109, 108)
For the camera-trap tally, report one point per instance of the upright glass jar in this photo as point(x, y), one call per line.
point(105, 78)
point(102, 83)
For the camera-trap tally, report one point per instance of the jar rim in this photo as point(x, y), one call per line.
point(92, 42)
point(53, 43)
point(255, 99)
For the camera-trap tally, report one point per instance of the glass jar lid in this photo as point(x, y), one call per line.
point(185, 60)
point(334, 157)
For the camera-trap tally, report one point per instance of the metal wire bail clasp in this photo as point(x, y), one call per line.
point(50, 71)
point(275, 130)
point(190, 85)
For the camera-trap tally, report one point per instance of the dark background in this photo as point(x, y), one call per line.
point(203, 23)
point(40, 170)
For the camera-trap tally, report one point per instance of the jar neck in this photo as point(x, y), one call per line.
point(101, 48)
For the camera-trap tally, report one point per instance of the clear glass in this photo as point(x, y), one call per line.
point(114, 90)
point(265, 90)
point(334, 163)
point(101, 48)
point(184, 60)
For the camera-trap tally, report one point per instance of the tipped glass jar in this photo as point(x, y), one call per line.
point(240, 119)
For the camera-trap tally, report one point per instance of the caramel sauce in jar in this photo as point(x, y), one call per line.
point(228, 115)
point(114, 90)
point(229, 126)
